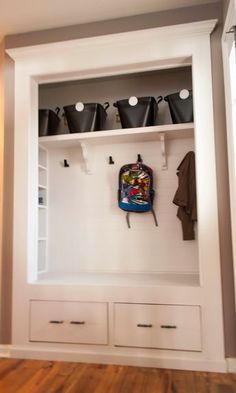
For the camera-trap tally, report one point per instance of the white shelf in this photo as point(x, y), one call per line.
point(42, 239)
point(42, 167)
point(121, 279)
point(141, 134)
point(42, 187)
point(42, 206)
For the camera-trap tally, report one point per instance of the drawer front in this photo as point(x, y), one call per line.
point(68, 322)
point(158, 326)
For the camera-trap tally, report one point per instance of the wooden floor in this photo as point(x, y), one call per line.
point(35, 376)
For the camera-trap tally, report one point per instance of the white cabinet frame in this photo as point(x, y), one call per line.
point(115, 54)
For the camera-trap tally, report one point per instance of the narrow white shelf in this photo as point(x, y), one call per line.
point(42, 206)
point(42, 187)
point(42, 167)
point(42, 239)
point(120, 279)
point(141, 134)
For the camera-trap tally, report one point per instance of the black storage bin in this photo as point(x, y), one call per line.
point(181, 110)
point(142, 114)
point(48, 121)
point(91, 118)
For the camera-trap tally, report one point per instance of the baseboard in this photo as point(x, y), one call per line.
point(231, 365)
point(5, 351)
point(118, 359)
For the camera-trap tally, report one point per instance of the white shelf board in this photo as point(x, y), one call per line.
point(42, 239)
point(141, 134)
point(42, 187)
point(42, 148)
point(42, 206)
point(120, 279)
point(42, 167)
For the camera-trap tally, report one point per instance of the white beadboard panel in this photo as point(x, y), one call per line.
point(84, 216)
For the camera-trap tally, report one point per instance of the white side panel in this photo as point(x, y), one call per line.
point(229, 60)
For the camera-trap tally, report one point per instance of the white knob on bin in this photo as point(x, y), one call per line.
point(79, 106)
point(133, 101)
point(183, 94)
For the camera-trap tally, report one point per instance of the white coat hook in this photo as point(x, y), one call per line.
point(85, 157)
point(163, 151)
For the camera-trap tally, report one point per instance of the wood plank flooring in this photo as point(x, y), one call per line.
point(36, 376)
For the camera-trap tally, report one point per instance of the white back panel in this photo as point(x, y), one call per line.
point(87, 230)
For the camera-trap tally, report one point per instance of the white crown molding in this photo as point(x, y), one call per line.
point(180, 30)
point(87, 57)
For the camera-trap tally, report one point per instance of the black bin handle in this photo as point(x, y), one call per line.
point(106, 105)
point(159, 99)
point(57, 110)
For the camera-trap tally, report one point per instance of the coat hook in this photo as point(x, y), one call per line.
point(111, 161)
point(139, 159)
point(66, 165)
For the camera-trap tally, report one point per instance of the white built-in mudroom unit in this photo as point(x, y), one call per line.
point(85, 286)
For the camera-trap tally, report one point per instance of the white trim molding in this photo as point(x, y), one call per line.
point(5, 351)
point(188, 30)
point(88, 356)
point(229, 62)
point(231, 365)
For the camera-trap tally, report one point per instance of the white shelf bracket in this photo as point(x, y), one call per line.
point(163, 151)
point(84, 149)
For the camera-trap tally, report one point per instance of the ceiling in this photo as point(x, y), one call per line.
point(31, 15)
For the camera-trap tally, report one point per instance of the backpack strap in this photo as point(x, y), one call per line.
point(154, 217)
point(127, 220)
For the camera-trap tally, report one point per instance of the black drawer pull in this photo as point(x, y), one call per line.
point(145, 325)
point(77, 322)
point(56, 322)
point(168, 326)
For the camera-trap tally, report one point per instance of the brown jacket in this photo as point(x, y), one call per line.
point(185, 196)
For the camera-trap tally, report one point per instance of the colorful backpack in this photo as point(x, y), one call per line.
point(136, 192)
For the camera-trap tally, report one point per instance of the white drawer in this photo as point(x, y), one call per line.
point(68, 322)
point(158, 326)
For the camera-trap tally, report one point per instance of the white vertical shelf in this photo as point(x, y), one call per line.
point(42, 209)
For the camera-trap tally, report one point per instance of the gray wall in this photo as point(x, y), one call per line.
point(1, 150)
point(210, 11)
point(171, 17)
point(7, 238)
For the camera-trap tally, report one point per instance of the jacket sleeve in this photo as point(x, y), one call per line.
point(185, 196)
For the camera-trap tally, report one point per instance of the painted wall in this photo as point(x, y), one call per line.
point(7, 239)
point(210, 11)
point(1, 153)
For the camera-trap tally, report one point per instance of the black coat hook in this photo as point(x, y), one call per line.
point(139, 159)
point(66, 165)
point(111, 161)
